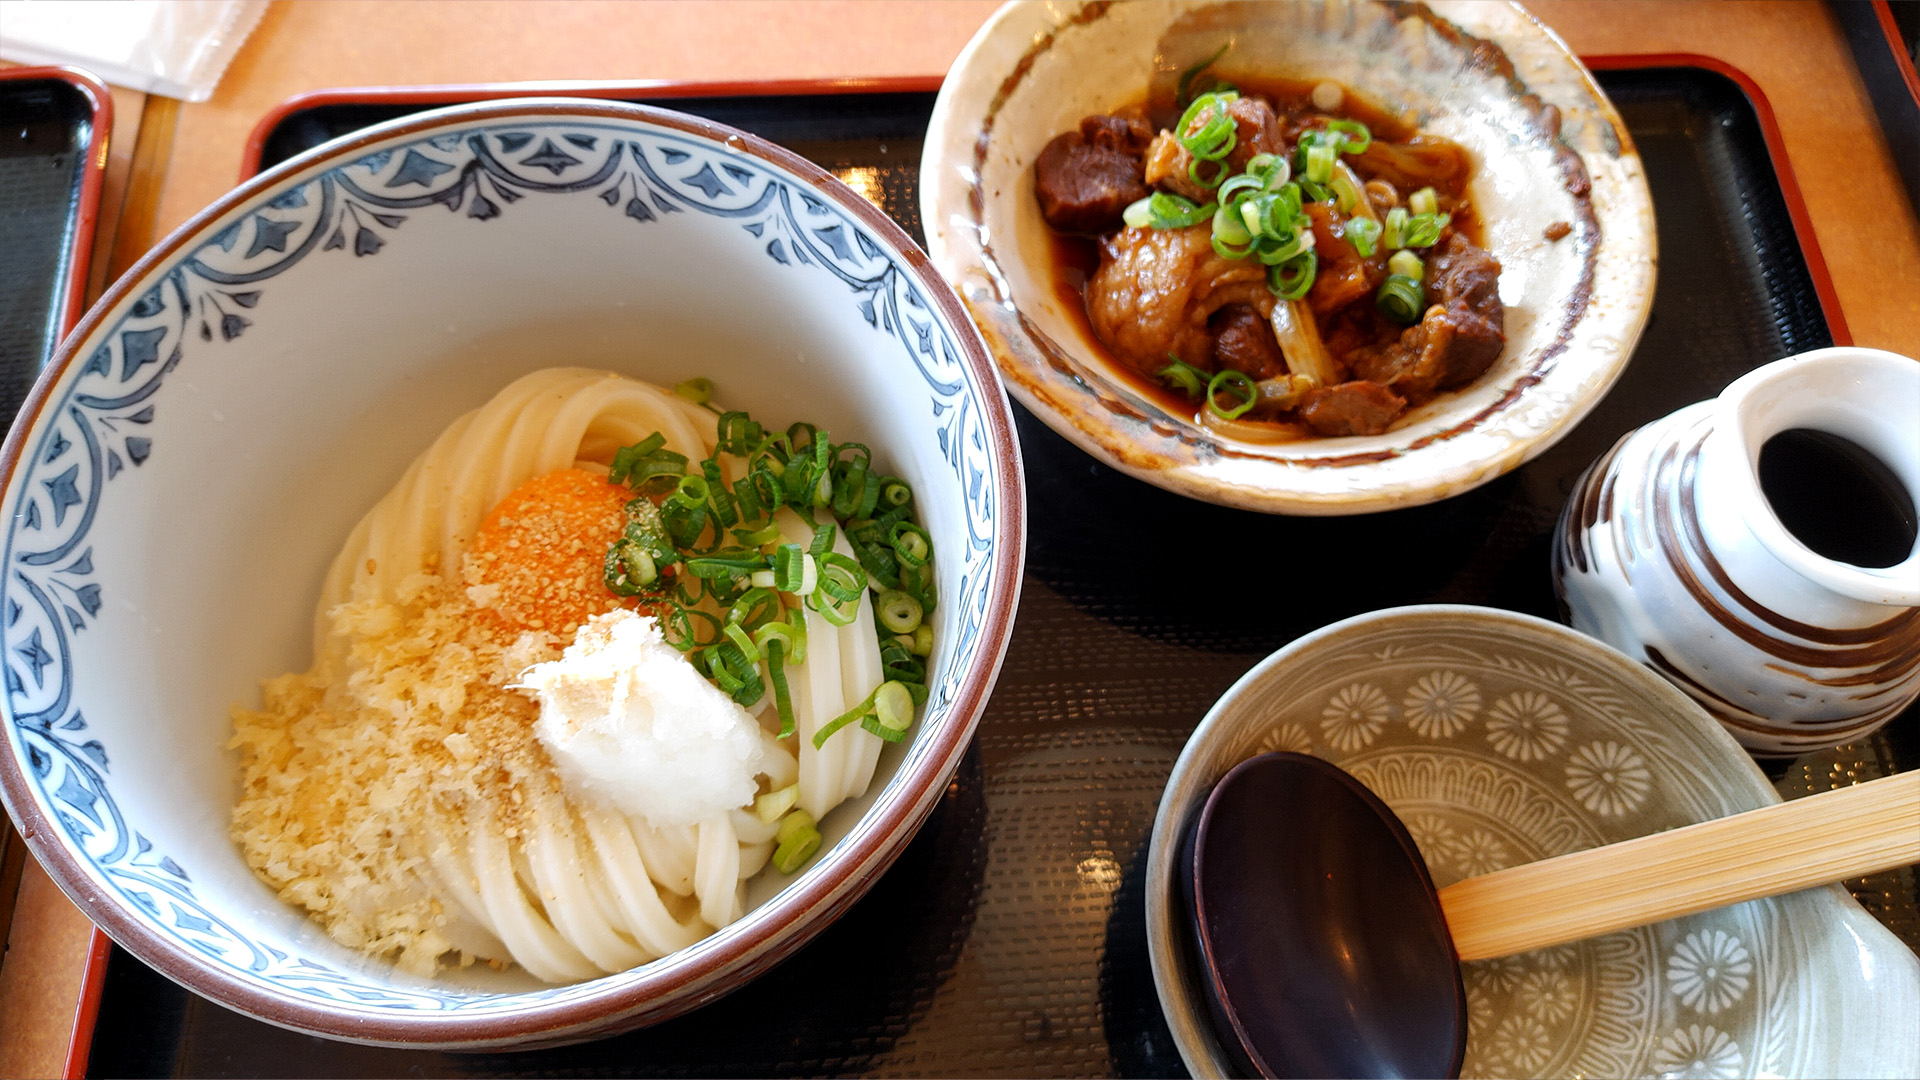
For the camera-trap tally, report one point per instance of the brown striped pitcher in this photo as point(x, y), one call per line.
point(1759, 549)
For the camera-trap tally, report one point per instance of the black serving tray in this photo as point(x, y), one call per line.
point(1009, 939)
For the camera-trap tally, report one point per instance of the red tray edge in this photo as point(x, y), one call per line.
point(458, 93)
point(92, 179)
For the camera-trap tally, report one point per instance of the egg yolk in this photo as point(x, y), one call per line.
point(540, 554)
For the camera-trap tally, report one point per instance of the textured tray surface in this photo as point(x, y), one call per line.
point(1009, 939)
point(45, 125)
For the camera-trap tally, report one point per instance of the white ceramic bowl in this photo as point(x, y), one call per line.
point(1502, 739)
point(186, 468)
point(1485, 75)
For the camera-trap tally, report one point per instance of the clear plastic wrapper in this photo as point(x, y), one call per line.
point(175, 48)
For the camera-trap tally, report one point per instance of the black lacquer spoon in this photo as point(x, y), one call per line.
point(1326, 951)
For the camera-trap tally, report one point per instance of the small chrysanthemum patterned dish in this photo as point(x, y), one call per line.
point(184, 472)
point(1502, 739)
point(1548, 150)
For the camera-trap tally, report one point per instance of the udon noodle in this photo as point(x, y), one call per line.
point(396, 791)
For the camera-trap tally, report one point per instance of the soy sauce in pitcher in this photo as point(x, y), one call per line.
point(1838, 499)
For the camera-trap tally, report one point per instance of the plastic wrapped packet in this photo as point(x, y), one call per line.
point(175, 48)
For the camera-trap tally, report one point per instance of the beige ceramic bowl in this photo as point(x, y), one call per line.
point(1502, 739)
point(1485, 75)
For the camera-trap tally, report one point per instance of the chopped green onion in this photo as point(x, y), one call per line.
point(837, 612)
point(1247, 181)
point(1423, 230)
point(1186, 77)
point(1401, 299)
point(1235, 384)
point(782, 696)
point(1364, 235)
point(1353, 136)
point(1292, 279)
point(828, 729)
point(822, 540)
point(1345, 195)
point(911, 544)
point(1221, 170)
point(760, 537)
point(1407, 264)
point(730, 553)
point(769, 806)
point(726, 561)
point(1274, 250)
point(795, 842)
point(636, 565)
point(1320, 158)
point(1391, 236)
point(791, 636)
point(1229, 224)
point(1215, 137)
point(1424, 201)
point(692, 491)
point(733, 673)
point(698, 391)
point(897, 611)
point(789, 567)
point(840, 577)
point(1163, 211)
point(743, 640)
point(1271, 169)
point(794, 824)
point(1228, 251)
point(1183, 376)
point(892, 712)
point(739, 434)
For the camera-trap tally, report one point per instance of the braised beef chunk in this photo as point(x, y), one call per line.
point(1468, 281)
point(1128, 133)
point(1351, 408)
point(1256, 130)
point(1344, 277)
point(1243, 341)
point(1156, 289)
point(1086, 178)
point(1457, 339)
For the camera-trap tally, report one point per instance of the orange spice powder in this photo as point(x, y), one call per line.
point(539, 556)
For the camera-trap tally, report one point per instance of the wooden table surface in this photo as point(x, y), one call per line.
point(168, 160)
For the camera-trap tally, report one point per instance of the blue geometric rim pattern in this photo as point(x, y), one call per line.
point(212, 294)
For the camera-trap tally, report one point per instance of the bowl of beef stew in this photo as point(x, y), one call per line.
point(1319, 258)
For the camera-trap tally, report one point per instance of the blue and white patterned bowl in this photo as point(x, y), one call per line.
point(188, 465)
point(1502, 739)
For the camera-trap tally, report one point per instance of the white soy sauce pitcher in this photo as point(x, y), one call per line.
point(1773, 588)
